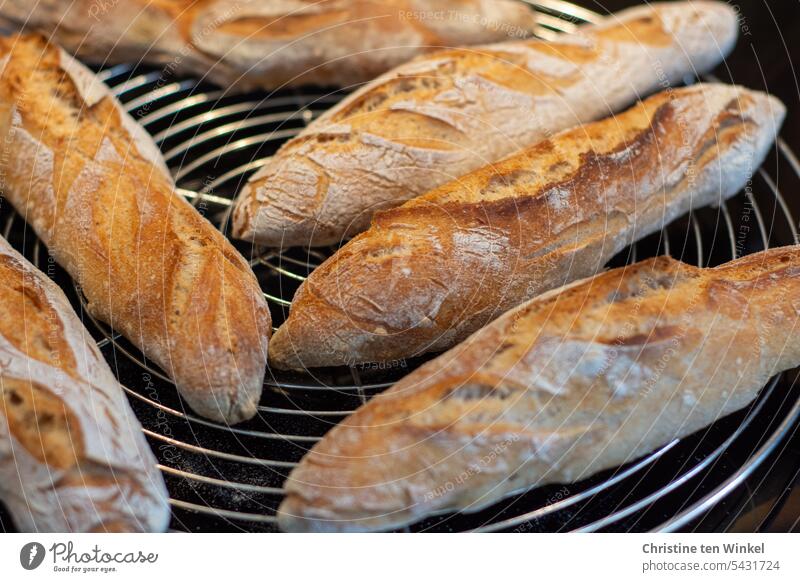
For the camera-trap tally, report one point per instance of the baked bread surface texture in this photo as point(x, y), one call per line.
point(431, 272)
point(443, 115)
point(72, 454)
point(578, 380)
point(246, 44)
point(94, 188)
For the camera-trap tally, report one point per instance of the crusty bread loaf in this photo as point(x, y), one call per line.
point(72, 454)
point(92, 185)
point(578, 380)
point(445, 114)
point(428, 274)
point(269, 43)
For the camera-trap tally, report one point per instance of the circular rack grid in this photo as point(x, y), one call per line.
point(224, 478)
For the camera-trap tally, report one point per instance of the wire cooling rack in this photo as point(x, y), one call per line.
point(224, 478)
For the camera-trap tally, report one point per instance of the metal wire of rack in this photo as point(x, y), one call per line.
point(230, 478)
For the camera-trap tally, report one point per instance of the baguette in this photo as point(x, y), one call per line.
point(428, 274)
point(269, 43)
point(451, 112)
point(72, 454)
point(578, 380)
point(92, 185)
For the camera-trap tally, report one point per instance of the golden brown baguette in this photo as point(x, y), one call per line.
point(269, 43)
point(578, 380)
point(92, 185)
point(72, 454)
point(443, 115)
point(428, 274)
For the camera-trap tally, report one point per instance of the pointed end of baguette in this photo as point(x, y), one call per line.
point(777, 111)
point(297, 516)
point(260, 223)
point(305, 339)
point(706, 30)
point(292, 518)
point(226, 404)
point(341, 506)
point(283, 354)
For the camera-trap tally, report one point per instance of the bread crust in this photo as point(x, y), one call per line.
point(92, 185)
point(443, 115)
point(247, 44)
point(72, 454)
point(578, 380)
point(430, 273)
